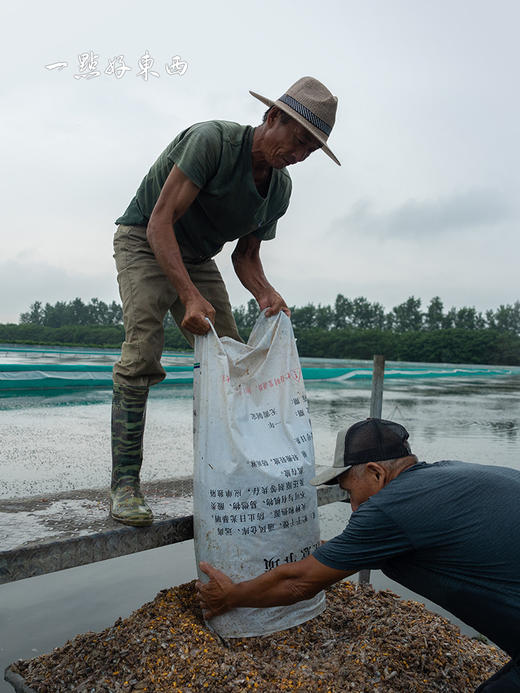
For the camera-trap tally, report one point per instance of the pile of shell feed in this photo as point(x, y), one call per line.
point(365, 641)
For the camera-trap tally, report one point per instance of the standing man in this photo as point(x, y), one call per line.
point(216, 182)
point(448, 531)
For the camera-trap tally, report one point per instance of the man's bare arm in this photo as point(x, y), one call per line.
point(248, 268)
point(176, 196)
point(286, 584)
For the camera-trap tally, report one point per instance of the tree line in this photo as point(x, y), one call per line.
point(75, 312)
point(346, 313)
point(351, 329)
point(406, 317)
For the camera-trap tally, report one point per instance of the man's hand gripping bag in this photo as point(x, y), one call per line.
point(253, 506)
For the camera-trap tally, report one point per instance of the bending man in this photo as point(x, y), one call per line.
point(448, 531)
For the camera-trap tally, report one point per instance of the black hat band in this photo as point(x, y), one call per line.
point(306, 113)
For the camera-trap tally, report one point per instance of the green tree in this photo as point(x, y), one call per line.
point(251, 314)
point(366, 315)
point(239, 314)
point(467, 319)
point(34, 316)
point(74, 312)
point(305, 316)
point(407, 316)
point(115, 314)
point(389, 321)
point(434, 314)
point(343, 311)
point(97, 312)
point(56, 315)
point(507, 318)
point(78, 313)
point(448, 320)
point(324, 317)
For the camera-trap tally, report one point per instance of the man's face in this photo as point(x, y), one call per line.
point(361, 483)
point(287, 143)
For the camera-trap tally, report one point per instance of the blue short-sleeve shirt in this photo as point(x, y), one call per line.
point(449, 531)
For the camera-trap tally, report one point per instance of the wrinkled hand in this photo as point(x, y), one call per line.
point(213, 595)
point(197, 310)
point(274, 302)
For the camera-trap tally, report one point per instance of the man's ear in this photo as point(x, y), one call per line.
point(376, 472)
point(273, 115)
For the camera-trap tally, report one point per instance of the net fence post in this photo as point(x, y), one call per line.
point(376, 407)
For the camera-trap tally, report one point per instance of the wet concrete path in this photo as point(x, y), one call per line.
point(43, 534)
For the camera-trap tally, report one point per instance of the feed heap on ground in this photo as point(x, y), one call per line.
point(365, 641)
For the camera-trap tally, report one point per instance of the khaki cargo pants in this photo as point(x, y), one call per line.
point(147, 295)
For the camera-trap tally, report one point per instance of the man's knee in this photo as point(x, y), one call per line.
point(138, 366)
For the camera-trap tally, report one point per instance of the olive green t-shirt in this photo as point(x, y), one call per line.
point(216, 156)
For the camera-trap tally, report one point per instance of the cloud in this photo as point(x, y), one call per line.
point(416, 219)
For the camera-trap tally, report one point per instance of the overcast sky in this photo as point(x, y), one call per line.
point(426, 199)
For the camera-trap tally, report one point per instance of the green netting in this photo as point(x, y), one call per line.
point(32, 376)
point(74, 352)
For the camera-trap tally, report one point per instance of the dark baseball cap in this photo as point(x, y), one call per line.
point(371, 440)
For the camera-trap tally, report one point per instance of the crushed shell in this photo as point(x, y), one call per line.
point(365, 641)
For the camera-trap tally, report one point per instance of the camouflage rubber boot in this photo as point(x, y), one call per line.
point(127, 504)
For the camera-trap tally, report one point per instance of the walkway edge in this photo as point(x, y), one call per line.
point(59, 554)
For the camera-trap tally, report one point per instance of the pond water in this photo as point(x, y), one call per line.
point(54, 440)
point(59, 439)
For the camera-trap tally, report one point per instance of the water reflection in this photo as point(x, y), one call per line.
point(470, 420)
point(43, 435)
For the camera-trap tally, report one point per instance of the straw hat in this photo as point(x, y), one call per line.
point(312, 105)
